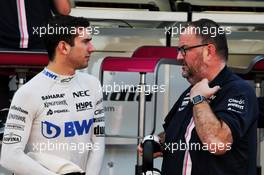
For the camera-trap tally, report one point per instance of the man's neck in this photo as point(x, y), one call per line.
point(215, 71)
point(210, 74)
point(59, 69)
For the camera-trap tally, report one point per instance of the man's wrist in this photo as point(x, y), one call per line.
point(198, 99)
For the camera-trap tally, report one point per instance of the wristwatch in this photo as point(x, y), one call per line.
point(198, 99)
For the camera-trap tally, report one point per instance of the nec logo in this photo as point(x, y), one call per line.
point(70, 129)
point(84, 106)
point(80, 94)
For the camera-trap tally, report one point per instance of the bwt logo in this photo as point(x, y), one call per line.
point(49, 74)
point(71, 129)
point(84, 106)
point(80, 94)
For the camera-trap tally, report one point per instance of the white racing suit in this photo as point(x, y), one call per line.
point(55, 125)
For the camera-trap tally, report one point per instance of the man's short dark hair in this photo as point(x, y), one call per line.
point(218, 39)
point(62, 28)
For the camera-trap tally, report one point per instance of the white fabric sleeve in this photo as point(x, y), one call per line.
point(96, 155)
point(16, 134)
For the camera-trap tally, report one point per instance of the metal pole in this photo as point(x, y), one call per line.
point(168, 38)
point(141, 118)
point(21, 77)
point(258, 89)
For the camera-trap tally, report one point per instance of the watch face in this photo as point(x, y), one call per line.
point(198, 99)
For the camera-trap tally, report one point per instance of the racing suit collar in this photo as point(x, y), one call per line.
point(58, 78)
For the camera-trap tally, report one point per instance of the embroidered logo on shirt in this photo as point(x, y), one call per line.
point(51, 112)
point(84, 106)
point(55, 103)
point(185, 102)
point(66, 80)
point(81, 94)
point(11, 138)
point(52, 96)
point(236, 105)
point(50, 74)
point(68, 129)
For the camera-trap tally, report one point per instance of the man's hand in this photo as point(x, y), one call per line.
point(202, 88)
point(155, 155)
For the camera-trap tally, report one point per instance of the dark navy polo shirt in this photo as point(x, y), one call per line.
point(19, 19)
point(235, 104)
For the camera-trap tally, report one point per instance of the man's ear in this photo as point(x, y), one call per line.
point(64, 48)
point(211, 50)
point(209, 53)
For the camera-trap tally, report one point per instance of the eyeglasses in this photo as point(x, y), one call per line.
point(183, 49)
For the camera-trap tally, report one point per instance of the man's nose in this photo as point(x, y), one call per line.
point(90, 48)
point(180, 56)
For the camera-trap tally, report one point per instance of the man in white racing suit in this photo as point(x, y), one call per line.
point(55, 123)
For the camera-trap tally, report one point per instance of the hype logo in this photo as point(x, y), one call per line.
point(71, 129)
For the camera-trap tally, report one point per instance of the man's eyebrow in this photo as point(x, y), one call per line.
point(87, 39)
point(183, 46)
